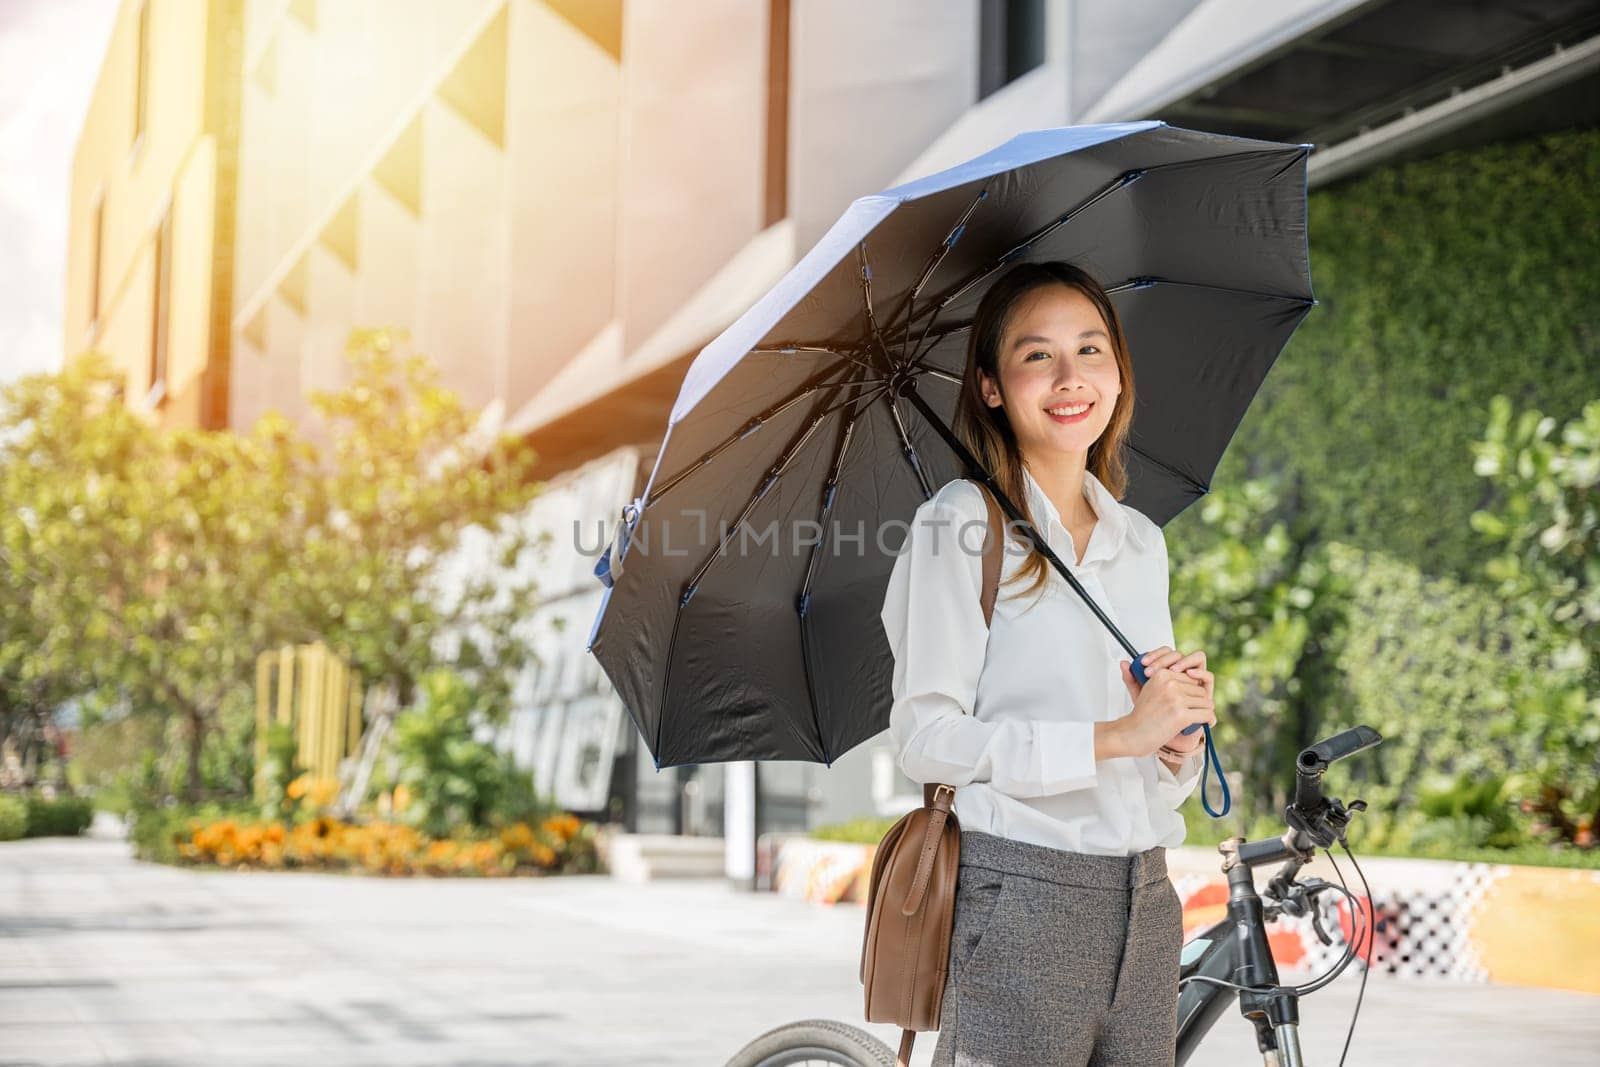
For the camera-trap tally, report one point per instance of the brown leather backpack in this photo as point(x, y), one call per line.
point(905, 952)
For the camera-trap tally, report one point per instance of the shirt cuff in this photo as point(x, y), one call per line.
point(1066, 755)
point(1177, 787)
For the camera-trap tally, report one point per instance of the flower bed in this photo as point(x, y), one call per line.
point(560, 844)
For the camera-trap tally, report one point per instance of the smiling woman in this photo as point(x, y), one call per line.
point(1066, 772)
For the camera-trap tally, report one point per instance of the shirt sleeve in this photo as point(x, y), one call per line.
point(1173, 788)
point(937, 634)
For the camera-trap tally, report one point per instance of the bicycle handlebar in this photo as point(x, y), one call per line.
point(1313, 820)
point(1317, 758)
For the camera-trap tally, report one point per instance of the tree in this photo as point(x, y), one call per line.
point(148, 568)
point(155, 565)
point(54, 431)
point(410, 477)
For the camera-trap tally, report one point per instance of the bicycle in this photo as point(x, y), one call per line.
point(1228, 960)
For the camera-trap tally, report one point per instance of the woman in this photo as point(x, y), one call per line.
point(1067, 930)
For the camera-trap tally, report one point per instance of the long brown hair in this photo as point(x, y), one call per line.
point(986, 430)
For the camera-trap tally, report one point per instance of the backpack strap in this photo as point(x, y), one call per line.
point(993, 555)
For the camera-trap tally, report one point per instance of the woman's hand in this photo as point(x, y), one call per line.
point(1177, 694)
point(1194, 665)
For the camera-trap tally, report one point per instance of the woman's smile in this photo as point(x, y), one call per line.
point(1067, 414)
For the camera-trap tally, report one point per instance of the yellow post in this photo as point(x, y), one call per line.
point(332, 717)
point(318, 696)
point(353, 723)
point(263, 717)
point(286, 685)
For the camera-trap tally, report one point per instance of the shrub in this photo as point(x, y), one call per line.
point(867, 830)
point(448, 779)
point(35, 815)
point(59, 816)
point(13, 817)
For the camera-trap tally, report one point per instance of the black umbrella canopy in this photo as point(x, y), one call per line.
point(743, 621)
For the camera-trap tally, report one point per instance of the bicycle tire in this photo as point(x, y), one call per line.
point(814, 1041)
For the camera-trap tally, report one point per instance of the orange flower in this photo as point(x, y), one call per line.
point(564, 826)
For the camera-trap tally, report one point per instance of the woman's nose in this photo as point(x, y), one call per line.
point(1068, 372)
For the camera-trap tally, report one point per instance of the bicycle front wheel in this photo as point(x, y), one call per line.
point(814, 1041)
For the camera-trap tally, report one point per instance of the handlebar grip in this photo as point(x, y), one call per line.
point(1316, 758)
point(1348, 743)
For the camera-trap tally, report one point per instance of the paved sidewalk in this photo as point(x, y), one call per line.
point(108, 961)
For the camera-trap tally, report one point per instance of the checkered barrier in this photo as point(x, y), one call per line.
point(1420, 932)
point(1463, 922)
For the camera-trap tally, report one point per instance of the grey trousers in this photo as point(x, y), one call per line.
point(1060, 957)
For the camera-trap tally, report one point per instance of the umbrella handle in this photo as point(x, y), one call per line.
point(1139, 674)
point(1212, 760)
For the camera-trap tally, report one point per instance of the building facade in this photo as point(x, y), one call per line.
point(563, 201)
point(149, 264)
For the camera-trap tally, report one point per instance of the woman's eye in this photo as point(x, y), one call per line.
point(1089, 348)
point(1040, 352)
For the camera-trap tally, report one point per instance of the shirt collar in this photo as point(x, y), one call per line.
point(1111, 529)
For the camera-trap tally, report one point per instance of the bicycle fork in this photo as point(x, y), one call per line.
point(1287, 1054)
point(1275, 1015)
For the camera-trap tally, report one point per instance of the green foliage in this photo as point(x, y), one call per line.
point(143, 570)
point(1442, 282)
point(278, 769)
point(866, 830)
point(410, 477)
point(13, 817)
point(455, 781)
point(147, 560)
point(1307, 639)
point(1546, 522)
point(1260, 595)
point(63, 815)
point(36, 815)
point(1479, 808)
point(1431, 664)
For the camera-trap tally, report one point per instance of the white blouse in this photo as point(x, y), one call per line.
point(1006, 714)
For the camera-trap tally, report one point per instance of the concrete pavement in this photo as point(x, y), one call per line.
point(107, 961)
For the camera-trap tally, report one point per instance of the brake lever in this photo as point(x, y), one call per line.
point(1316, 924)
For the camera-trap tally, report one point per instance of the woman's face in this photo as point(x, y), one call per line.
point(1055, 357)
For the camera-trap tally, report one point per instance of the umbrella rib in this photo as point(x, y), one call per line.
point(847, 401)
point(803, 602)
point(789, 350)
point(1202, 490)
point(949, 242)
point(866, 297)
point(933, 342)
point(908, 450)
point(1122, 181)
point(946, 375)
point(1148, 281)
point(754, 423)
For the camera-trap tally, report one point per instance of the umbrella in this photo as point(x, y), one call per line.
point(740, 619)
